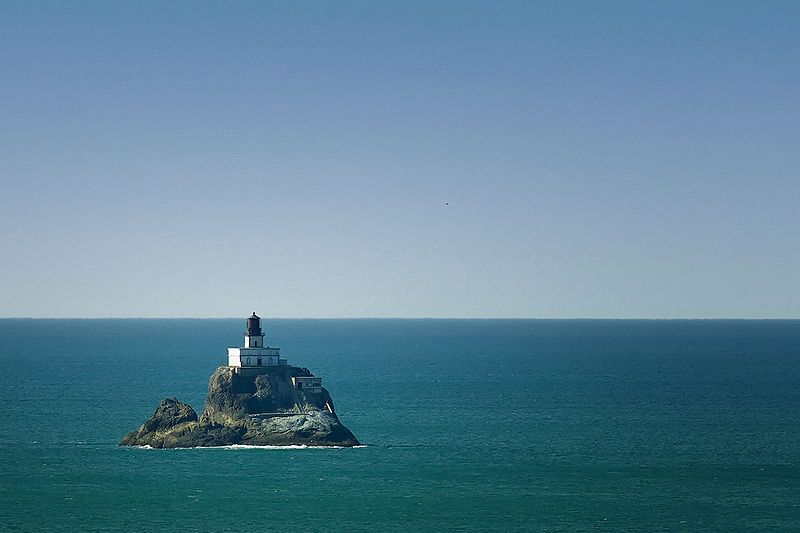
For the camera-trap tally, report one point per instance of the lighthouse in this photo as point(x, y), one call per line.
point(254, 354)
point(253, 337)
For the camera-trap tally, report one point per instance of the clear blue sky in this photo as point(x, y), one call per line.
point(600, 159)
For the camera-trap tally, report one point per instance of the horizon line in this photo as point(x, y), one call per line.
point(379, 318)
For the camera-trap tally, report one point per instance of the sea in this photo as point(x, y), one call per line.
point(467, 425)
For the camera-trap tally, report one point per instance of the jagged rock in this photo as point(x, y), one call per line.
point(171, 421)
point(262, 408)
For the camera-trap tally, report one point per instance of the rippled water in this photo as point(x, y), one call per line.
point(470, 425)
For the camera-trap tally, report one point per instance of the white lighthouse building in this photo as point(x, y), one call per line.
point(254, 354)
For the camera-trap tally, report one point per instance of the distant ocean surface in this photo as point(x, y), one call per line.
point(471, 425)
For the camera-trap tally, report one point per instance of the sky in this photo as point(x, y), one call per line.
point(409, 159)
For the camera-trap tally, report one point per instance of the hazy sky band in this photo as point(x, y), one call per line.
point(211, 159)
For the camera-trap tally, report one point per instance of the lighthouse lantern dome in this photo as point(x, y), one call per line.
point(254, 326)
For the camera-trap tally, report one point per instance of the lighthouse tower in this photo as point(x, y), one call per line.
point(253, 337)
point(254, 354)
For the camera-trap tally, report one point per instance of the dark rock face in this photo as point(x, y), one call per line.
point(170, 424)
point(255, 409)
point(169, 414)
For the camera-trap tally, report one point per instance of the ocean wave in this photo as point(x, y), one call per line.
point(256, 447)
point(286, 447)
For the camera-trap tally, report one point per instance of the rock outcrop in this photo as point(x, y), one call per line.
point(258, 408)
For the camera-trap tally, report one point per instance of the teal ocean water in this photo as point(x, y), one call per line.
point(471, 425)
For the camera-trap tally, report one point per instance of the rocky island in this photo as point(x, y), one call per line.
point(257, 399)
